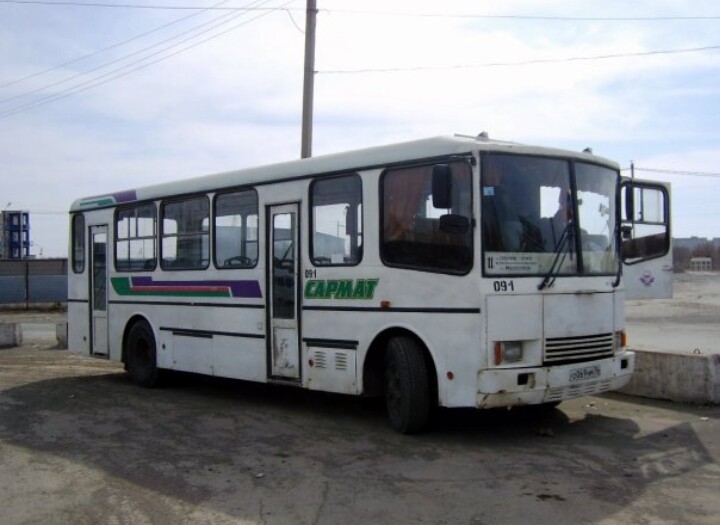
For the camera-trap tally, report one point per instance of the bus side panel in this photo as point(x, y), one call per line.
point(78, 313)
point(78, 328)
point(226, 342)
point(459, 337)
point(118, 316)
point(240, 358)
point(448, 338)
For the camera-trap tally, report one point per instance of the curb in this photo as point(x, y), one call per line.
point(61, 333)
point(684, 378)
point(10, 335)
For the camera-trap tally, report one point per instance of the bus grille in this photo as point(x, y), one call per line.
point(578, 349)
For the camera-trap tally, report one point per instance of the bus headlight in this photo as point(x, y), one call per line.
point(508, 352)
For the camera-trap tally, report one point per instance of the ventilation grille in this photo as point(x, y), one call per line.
point(320, 359)
point(340, 360)
point(578, 349)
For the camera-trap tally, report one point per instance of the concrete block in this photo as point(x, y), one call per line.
point(10, 335)
point(61, 332)
point(686, 378)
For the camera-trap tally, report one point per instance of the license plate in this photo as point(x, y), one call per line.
point(586, 372)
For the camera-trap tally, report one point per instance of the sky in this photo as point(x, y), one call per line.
point(101, 99)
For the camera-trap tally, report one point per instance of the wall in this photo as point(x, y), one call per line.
point(33, 281)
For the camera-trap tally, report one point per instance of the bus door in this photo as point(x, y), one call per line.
point(646, 243)
point(283, 271)
point(98, 291)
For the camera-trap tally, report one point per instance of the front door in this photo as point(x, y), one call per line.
point(283, 272)
point(646, 239)
point(98, 290)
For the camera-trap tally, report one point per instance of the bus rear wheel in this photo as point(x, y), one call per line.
point(141, 357)
point(407, 388)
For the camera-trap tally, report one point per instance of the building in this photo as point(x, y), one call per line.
point(14, 234)
point(692, 243)
point(700, 264)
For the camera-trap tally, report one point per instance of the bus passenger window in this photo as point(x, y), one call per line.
point(236, 229)
point(135, 238)
point(336, 220)
point(185, 233)
point(78, 243)
point(413, 234)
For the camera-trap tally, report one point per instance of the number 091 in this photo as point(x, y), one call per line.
point(504, 286)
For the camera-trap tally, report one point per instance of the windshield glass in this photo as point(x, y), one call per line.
point(596, 187)
point(530, 213)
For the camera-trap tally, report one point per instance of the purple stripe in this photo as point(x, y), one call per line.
point(244, 289)
point(125, 196)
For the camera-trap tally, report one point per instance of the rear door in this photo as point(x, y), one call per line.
point(98, 290)
point(646, 243)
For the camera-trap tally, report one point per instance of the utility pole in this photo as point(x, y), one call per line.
point(309, 79)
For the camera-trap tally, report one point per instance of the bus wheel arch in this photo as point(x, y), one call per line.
point(139, 352)
point(412, 393)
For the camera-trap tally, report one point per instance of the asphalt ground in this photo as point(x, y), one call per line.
point(80, 444)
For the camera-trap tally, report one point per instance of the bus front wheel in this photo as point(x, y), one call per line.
point(407, 388)
point(141, 357)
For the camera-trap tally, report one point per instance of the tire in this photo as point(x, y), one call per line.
point(549, 406)
point(407, 388)
point(141, 356)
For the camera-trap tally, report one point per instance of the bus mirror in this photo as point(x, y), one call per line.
point(451, 223)
point(442, 186)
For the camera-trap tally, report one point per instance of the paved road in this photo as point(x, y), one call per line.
point(688, 323)
point(80, 444)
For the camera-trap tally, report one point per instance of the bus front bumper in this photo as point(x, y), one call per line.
point(504, 387)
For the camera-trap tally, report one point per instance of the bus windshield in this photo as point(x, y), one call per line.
point(539, 211)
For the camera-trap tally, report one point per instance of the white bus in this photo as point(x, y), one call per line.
point(453, 271)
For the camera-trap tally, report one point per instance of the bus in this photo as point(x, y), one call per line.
point(443, 272)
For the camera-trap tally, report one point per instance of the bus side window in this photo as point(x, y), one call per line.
point(336, 218)
point(185, 234)
point(135, 238)
point(236, 229)
point(78, 243)
point(415, 234)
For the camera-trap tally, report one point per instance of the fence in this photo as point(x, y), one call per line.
point(32, 281)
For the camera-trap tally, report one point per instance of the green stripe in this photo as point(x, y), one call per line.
point(121, 285)
point(105, 201)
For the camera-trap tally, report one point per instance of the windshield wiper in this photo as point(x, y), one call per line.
point(564, 246)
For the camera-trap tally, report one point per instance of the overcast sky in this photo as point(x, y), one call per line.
point(385, 74)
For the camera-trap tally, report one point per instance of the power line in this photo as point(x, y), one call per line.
point(142, 6)
point(108, 77)
point(521, 62)
point(230, 16)
point(527, 17)
point(108, 48)
point(677, 172)
point(378, 13)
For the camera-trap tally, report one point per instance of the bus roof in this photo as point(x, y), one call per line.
point(378, 156)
